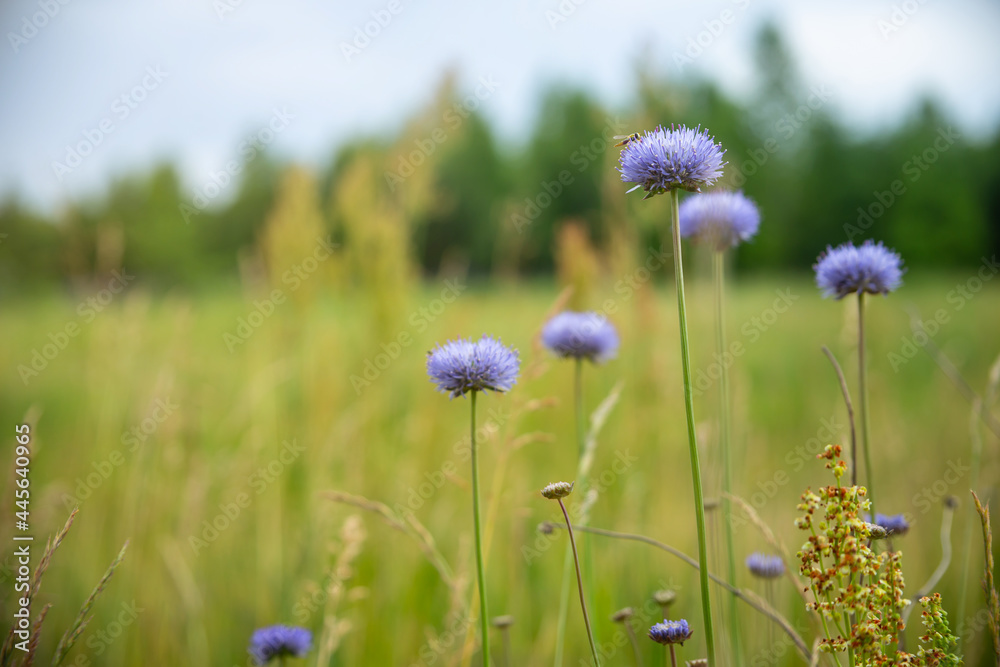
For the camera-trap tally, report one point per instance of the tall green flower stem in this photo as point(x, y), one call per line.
point(719, 266)
point(581, 476)
point(484, 617)
point(977, 455)
point(579, 582)
point(699, 498)
point(863, 396)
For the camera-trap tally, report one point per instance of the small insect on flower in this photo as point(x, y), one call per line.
point(876, 532)
point(279, 641)
point(670, 632)
point(764, 566)
point(664, 160)
point(557, 490)
point(626, 139)
point(461, 366)
point(870, 268)
point(895, 524)
point(581, 336)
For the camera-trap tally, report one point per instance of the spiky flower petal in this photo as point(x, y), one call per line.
point(719, 219)
point(846, 269)
point(764, 566)
point(581, 336)
point(461, 366)
point(277, 641)
point(670, 632)
point(663, 160)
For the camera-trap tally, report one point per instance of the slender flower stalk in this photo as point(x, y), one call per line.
point(557, 491)
point(623, 616)
point(484, 617)
point(504, 623)
point(722, 220)
point(863, 400)
point(666, 161)
point(718, 261)
point(578, 336)
point(869, 269)
point(699, 496)
point(464, 367)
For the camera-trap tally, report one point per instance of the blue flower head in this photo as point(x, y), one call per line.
point(461, 366)
point(670, 632)
point(581, 336)
point(276, 641)
point(895, 524)
point(871, 268)
point(720, 219)
point(664, 160)
point(764, 566)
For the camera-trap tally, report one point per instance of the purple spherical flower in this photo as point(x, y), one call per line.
point(764, 566)
point(670, 632)
point(461, 366)
point(895, 524)
point(871, 268)
point(581, 336)
point(721, 219)
point(663, 160)
point(276, 641)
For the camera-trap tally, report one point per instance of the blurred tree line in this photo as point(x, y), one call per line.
point(446, 195)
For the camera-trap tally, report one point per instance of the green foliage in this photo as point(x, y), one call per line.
point(470, 199)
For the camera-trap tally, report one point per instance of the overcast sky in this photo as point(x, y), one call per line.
point(187, 80)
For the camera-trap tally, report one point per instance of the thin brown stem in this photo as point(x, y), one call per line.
point(579, 583)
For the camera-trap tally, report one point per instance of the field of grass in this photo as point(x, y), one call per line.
point(159, 418)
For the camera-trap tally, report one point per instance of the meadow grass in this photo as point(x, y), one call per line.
point(232, 414)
